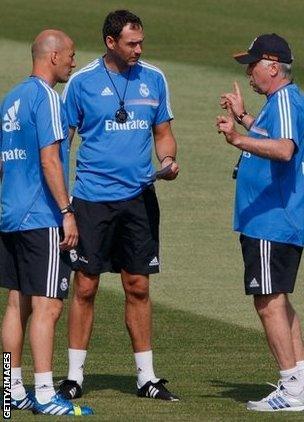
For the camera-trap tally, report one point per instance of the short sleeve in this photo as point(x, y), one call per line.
point(284, 117)
point(1, 114)
point(48, 119)
point(164, 112)
point(71, 101)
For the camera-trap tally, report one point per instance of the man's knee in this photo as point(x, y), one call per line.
point(85, 287)
point(55, 310)
point(266, 305)
point(136, 287)
point(47, 308)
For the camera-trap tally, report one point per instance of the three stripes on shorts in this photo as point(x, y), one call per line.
point(265, 248)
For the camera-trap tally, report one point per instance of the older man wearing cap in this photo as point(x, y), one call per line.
point(269, 206)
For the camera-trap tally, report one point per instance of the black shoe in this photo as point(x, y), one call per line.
point(156, 390)
point(69, 389)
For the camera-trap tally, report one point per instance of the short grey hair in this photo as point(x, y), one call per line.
point(285, 68)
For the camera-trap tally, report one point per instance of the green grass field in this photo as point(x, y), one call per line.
point(208, 340)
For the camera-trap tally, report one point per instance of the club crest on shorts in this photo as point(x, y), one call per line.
point(73, 255)
point(64, 284)
point(144, 90)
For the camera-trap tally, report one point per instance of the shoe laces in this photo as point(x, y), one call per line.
point(161, 383)
point(279, 388)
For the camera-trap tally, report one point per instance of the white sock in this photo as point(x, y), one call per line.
point(17, 388)
point(144, 368)
point(291, 382)
point(44, 387)
point(76, 365)
point(300, 368)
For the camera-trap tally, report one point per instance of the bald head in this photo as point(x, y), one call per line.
point(49, 41)
point(53, 56)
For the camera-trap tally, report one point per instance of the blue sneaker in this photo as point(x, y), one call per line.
point(25, 404)
point(59, 406)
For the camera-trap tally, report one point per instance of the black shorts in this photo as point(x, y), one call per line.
point(270, 267)
point(31, 262)
point(118, 235)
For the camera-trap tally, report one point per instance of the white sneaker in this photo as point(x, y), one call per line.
point(278, 400)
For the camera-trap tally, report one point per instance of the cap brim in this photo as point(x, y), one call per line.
point(245, 58)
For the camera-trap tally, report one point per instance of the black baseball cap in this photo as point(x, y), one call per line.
point(266, 46)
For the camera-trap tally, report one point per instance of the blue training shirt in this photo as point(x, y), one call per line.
point(114, 159)
point(270, 194)
point(32, 117)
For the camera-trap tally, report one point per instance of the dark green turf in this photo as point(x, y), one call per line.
point(215, 367)
point(199, 32)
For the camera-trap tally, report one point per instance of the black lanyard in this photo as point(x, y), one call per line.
point(121, 115)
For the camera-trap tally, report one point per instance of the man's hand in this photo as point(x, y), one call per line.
point(70, 232)
point(225, 125)
point(233, 101)
point(174, 169)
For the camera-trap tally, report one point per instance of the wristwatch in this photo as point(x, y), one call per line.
point(241, 116)
point(67, 209)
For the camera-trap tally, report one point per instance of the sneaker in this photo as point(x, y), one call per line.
point(156, 390)
point(26, 403)
point(69, 389)
point(60, 406)
point(278, 400)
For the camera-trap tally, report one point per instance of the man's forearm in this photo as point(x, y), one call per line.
point(165, 147)
point(53, 173)
point(281, 149)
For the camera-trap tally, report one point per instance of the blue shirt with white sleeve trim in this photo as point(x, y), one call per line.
point(269, 201)
point(114, 160)
point(32, 117)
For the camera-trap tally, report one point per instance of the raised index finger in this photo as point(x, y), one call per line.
point(237, 89)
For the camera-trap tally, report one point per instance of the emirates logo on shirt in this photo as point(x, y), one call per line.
point(131, 124)
point(13, 154)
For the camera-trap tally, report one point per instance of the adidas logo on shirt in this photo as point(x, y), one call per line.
point(106, 92)
point(10, 122)
point(154, 262)
point(254, 283)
